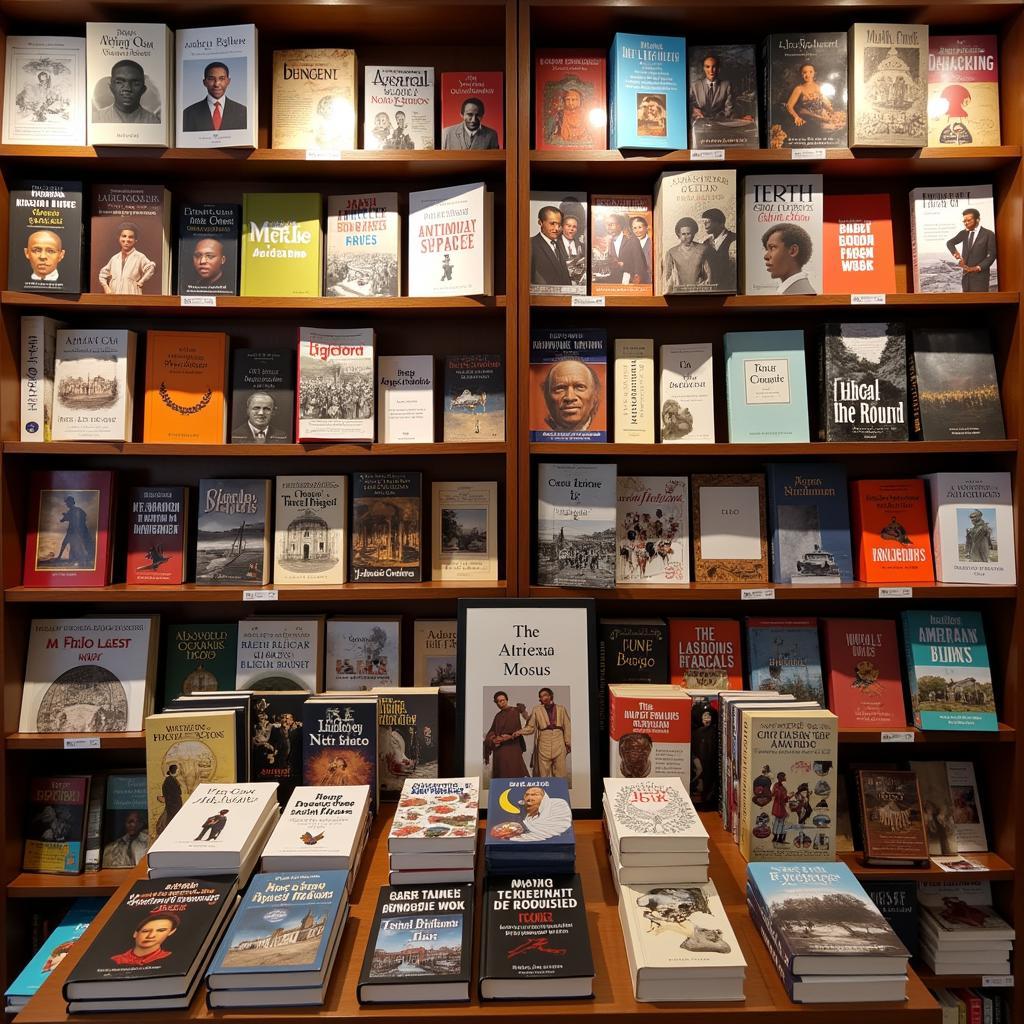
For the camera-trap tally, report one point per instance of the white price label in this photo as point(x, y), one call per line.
point(81, 742)
point(707, 154)
point(259, 595)
point(808, 154)
point(587, 300)
point(997, 981)
point(199, 300)
point(760, 594)
point(903, 592)
point(868, 299)
point(898, 737)
point(315, 153)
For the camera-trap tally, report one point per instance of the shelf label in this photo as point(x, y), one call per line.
point(760, 594)
point(997, 981)
point(259, 595)
point(587, 300)
point(900, 736)
point(868, 299)
point(199, 300)
point(904, 592)
point(808, 154)
point(81, 742)
point(707, 154)
point(315, 153)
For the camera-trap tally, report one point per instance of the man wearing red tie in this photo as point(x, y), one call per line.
point(216, 112)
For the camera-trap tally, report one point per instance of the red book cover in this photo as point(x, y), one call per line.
point(974, 1004)
point(157, 523)
point(862, 664)
point(482, 127)
point(69, 533)
point(648, 732)
point(570, 100)
point(890, 531)
point(705, 654)
point(892, 817)
point(858, 252)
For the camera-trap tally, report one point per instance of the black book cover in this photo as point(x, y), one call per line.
point(705, 747)
point(45, 238)
point(632, 652)
point(340, 744)
point(208, 248)
point(263, 396)
point(386, 528)
point(407, 731)
point(474, 398)
point(277, 738)
point(723, 114)
point(421, 935)
point(898, 903)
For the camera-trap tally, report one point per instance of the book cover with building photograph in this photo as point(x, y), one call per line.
point(309, 529)
point(783, 656)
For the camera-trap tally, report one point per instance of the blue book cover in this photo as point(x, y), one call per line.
point(766, 387)
point(783, 655)
point(648, 92)
point(948, 670)
point(809, 513)
point(527, 816)
point(568, 385)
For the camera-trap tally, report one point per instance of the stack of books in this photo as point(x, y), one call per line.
point(433, 833)
point(798, 909)
point(529, 828)
point(964, 937)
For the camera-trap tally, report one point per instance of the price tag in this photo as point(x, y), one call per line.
point(199, 300)
point(997, 981)
point(761, 594)
point(314, 153)
point(587, 301)
point(904, 592)
point(81, 742)
point(808, 154)
point(897, 737)
point(868, 300)
point(707, 154)
point(259, 595)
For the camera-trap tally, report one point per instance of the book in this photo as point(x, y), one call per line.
point(652, 816)
point(862, 382)
point(729, 528)
point(93, 381)
point(892, 821)
point(282, 244)
point(386, 527)
point(810, 520)
point(687, 394)
point(339, 743)
point(38, 353)
point(937, 804)
point(363, 246)
point(321, 827)
point(70, 534)
point(558, 250)
point(262, 396)
point(695, 232)
point(622, 250)
point(44, 91)
point(464, 534)
point(44, 247)
point(472, 114)
point(890, 531)
point(157, 549)
point(632, 651)
point(634, 391)
point(897, 902)
point(400, 936)
point(280, 720)
point(335, 385)
point(570, 104)
point(722, 96)
point(705, 750)
point(648, 732)
point(954, 386)
point(405, 399)
point(232, 532)
point(963, 91)
point(652, 530)
point(309, 529)
point(55, 824)
point(705, 654)
point(648, 92)
point(94, 824)
point(857, 244)
point(967, 816)
point(436, 817)
point(576, 525)
point(315, 100)
point(129, 240)
point(280, 654)
point(208, 238)
point(888, 85)
point(805, 90)
point(972, 528)
point(568, 385)
point(473, 382)
point(216, 81)
point(398, 107)
point(125, 821)
point(363, 652)
point(783, 656)
point(434, 652)
point(408, 736)
point(948, 671)
point(766, 387)
point(953, 239)
point(451, 241)
point(130, 84)
point(862, 666)
point(199, 658)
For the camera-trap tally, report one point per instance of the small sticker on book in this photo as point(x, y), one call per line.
point(898, 736)
point(707, 154)
point(808, 154)
point(903, 592)
point(587, 300)
point(868, 299)
point(81, 742)
point(259, 595)
point(997, 981)
point(199, 300)
point(759, 594)
point(315, 153)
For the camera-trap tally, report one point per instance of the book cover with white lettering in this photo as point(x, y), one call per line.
point(232, 534)
point(648, 733)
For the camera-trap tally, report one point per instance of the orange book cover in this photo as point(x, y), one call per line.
point(705, 654)
point(186, 387)
point(859, 258)
point(890, 530)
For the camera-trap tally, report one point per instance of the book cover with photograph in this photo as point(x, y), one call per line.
point(953, 239)
point(559, 243)
point(233, 532)
point(568, 385)
point(723, 96)
point(129, 240)
point(622, 252)
point(262, 396)
point(44, 254)
point(208, 238)
point(472, 114)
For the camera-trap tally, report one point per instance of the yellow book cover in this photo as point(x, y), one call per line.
point(315, 100)
point(963, 91)
point(281, 244)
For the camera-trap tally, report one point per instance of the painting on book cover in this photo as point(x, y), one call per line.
point(894, 86)
point(67, 530)
point(519, 740)
point(674, 911)
point(277, 936)
point(276, 751)
point(84, 698)
point(404, 950)
point(976, 530)
point(573, 113)
point(794, 804)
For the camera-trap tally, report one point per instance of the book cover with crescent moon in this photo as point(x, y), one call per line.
point(529, 821)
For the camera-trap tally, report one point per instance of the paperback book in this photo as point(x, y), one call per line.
point(474, 398)
point(44, 253)
point(766, 387)
point(38, 351)
point(890, 531)
point(434, 652)
point(634, 391)
point(405, 399)
point(570, 102)
point(648, 732)
point(281, 721)
point(232, 532)
point(859, 256)
point(558, 250)
point(862, 664)
point(279, 654)
point(953, 239)
point(472, 114)
point(451, 241)
point(568, 385)
point(408, 735)
point(282, 244)
point(208, 238)
point(262, 396)
point(55, 824)
point(335, 385)
point(339, 743)
point(125, 821)
point(321, 827)
point(363, 250)
point(199, 658)
point(783, 656)
point(652, 530)
point(892, 821)
point(386, 527)
point(44, 91)
point(398, 107)
point(622, 256)
point(315, 100)
point(435, 816)
point(632, 651)
point(723, 96)
point(363, 652)
point(704, 654)
point(729, 528)
point(309, 529)
point(465, 530)
point(687, 394)
point(963, 91)
point(648, 92)
point(157, 549)
point(129, 240)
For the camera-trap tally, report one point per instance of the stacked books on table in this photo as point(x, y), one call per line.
point(529, 827)
point(433, 833)
point(960, 933)
point(804, 912)
point(279, 949)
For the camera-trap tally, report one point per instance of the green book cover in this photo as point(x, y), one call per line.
point(281, 243)
point(200, 658)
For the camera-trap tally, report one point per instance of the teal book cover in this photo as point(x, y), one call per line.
point(766, 387)
point(648, 92)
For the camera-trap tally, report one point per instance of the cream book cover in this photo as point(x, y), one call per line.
point(44, 91)
point(363, 651)
point(315, 100)
point(634, 391)
point(93, 377)
point(321, 827)
point(309, 529)
point(687, 394)
point(465, 530)
point(405, 399)
point(434, 652)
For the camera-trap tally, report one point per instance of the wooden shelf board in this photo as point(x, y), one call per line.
point(55, 741)
point(931, 980)
point(723, 449)
point(996, 870)
point(28, 886)
point(1004, 734)
point(327, 449)
point(782, 591)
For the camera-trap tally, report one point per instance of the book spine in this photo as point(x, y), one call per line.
point(773, 952)
point(916, 425)
point(913, 229)
point(743, 815)
point(94, 824)
point(34, 398)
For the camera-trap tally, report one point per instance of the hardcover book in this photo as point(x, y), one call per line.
point(723, 96)
point(93, 381)
point(309, 529)
point(648, 92)
point(129, 240)
point(568, 385)
point(44, 247)
point(963, 91)
point(282, 244)
point(281, 720)
point(729, 528)
point(434, 652)
point(704, 654)
point(335, 375)
point(859, 257)
point(315, 100)
point(436, 816)
point(233, 532)
point(890, 531)
point(44, 91)
point(363, 652)
point(262, 396)
point(208, 237)
point(892, 821)
point(632, 651)
point(55, 824)
point(570, 103)
point(321, 827)
point(897, 902)
point(464, 517)
point(38, 352)
point(125, 821)
point(280, 654)
point(783, 656)
point(407, 737)
point(472, 110)
point(405, 399)
point(648, 733)
point(862, 665)
point(766, 387)
point(398, 107)
point(474, 398)
point(558, 250)
point(199, 658)
point(451, 241)
point(687, 395)
point(622, 252)
point(339, 744)
point(528, 819)
point(157, 549)
point(652, 530)
point(386, 527)
point(705, 750)
point(363, 246)
point(634, 391)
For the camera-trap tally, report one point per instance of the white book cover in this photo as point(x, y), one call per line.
point(450, 241)
point(967, 816)
point(465, 530)
point(38, 351)
point(634, 391)
point(309, 529)
point(44, 91)
point(782, 234)
point(435, 815)
point(687, 396)
point(89, 675)
point(363, 652)
point(405, 399)
point(280, 654)
point(319, 823)
point(216, 76)
point(653, 814)
point(398, 107)
point(335, 385)
point(130, 83)
point(363, 246)
point(972, 528)
point(434, 652)
point(93, 375)
point(953, 239)
point(652, 530)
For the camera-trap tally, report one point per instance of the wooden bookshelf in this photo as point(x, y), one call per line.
point(60, 741)
point(106, 882)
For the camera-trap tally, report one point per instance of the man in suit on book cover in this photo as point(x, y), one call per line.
point(718, 248)
point(711, 96)
point(216, 111)
point(977, 253)
point(471, 132)
point(641, 232)
point(625, 257)
point(547, 265)
point(787, 249)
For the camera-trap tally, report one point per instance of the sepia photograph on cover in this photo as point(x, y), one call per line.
point(126, 254)
point(723, 97)
point(558, 244)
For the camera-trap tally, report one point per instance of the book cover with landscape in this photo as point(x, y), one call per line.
point(232, 538)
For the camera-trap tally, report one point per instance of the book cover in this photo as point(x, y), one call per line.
point(729, 527)
point(464, 517)
point(339, 744)
point(398, 107)
point(558, 249)
point(568, 385)
point(157, 548)
point(451, 241)
point(282, 243)
point(474, 398)
point(434, 652)
point(407, 736)
point(309, 529)
point(897, 902)
point(634, 391)
point(890, 531)
point(38, 353)
point(363, 652)
point(534, 811)
point(723, 96)
point(94, 824)
point(652, 814)
point(705, 750)
point(405, 399)
point(705, 654)
point(695, 232)
point(208, 238)
point(632, 651)
point(262, 396)
point(967, 816)
point(687, 394)
point(315, 100)
point(570, 103)
point(766, 387)
point(281, 721)
point(199, 658)
point(335, 385)
point(891, 817)
point(436, 816)
point(125, 821)
point(44, 91)
point(963, 91)
point(622, 256)
point(783, 656)
point(44, 247)
point(858, 253)
point(648, 733)
point(648, 92)
point(363, 246)
point(55, 823)
point(280, 654)
point(652, 530)
point(939, 821)
point(129, 240)
point(472, 110)
point(320, 827)
point(386, 527)
point(862, 665)
point(232, 532)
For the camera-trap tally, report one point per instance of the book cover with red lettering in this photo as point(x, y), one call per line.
point(859, 258)
point(963, 91)
point(472, 114)
point(157, 528)
point(890, 531)
point(570, 99)
point(648, 732)
point(862, 666)
point(705, 654)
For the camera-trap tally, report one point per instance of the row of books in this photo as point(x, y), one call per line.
point(971, 1005)
point(273, 244)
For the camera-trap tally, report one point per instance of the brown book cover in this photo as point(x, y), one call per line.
point(729, 534)
point(891, 816)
